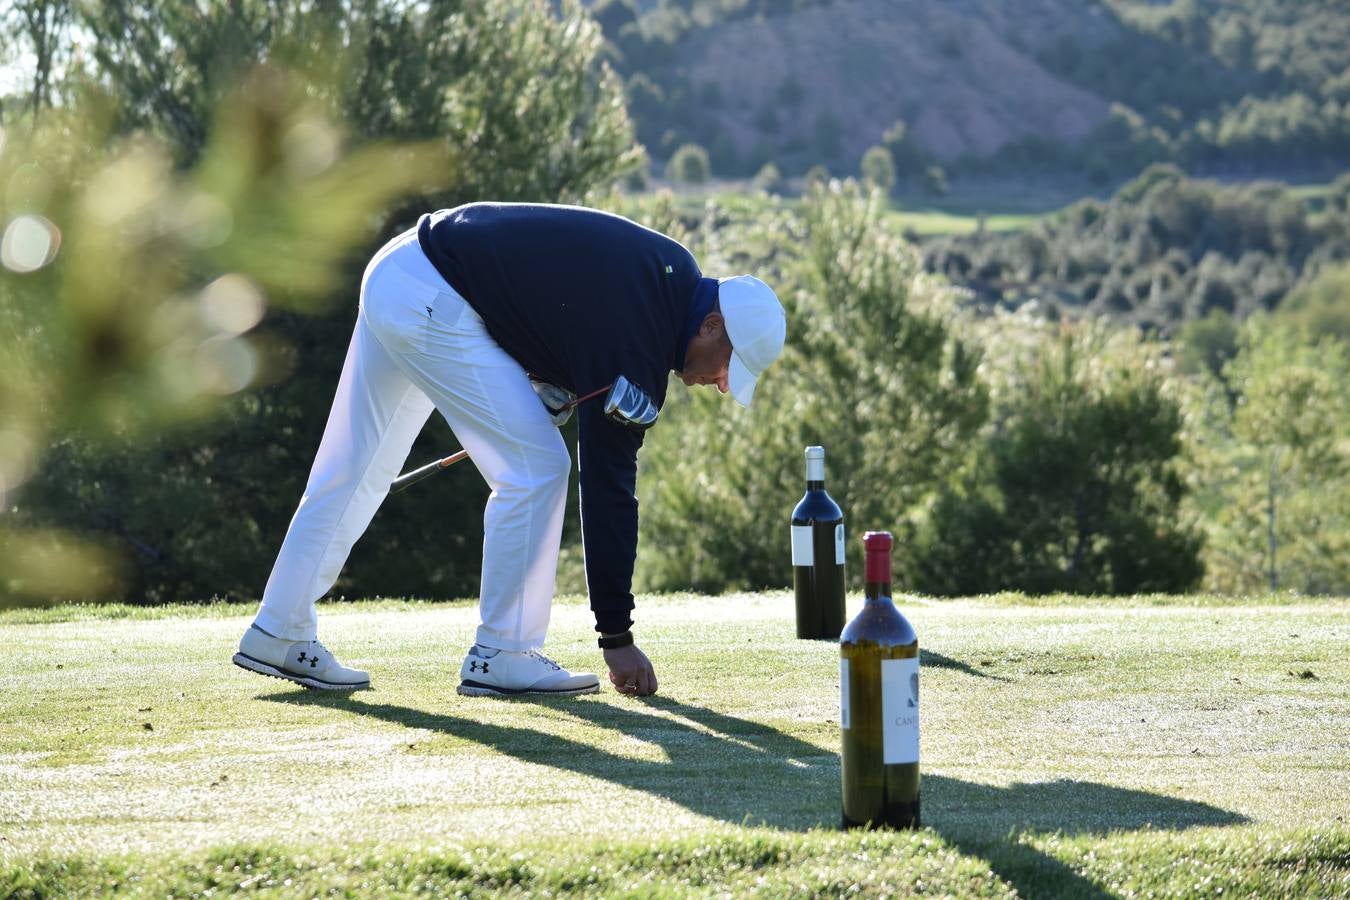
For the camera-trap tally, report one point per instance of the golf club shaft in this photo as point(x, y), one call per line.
point(416, 475)
point(426, 471)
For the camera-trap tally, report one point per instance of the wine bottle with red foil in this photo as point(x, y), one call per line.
point(879, 703)
point(818, 556)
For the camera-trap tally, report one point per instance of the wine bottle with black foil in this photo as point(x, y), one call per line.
point(818, 556)
point(879, 703)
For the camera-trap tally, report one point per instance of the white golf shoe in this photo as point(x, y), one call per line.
point(507, 673)
point(305, 662)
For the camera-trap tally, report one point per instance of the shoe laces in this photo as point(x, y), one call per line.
point(544, 659)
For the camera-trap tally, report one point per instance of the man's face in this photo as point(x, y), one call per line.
point(709, 355)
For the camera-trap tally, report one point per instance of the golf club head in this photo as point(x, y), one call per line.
point(558, 401)
point(629, 405)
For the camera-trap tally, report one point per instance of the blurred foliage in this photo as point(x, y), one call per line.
point(769, 180)
point(1272, 463)
point(213, 220)
point(128, 286)
point(689, 165)
point(1076, 485)
point(189, 195)
point(1206, 345)
point(871, 371)
point(1320, 306)
point(1164, 250)
point(878, 169)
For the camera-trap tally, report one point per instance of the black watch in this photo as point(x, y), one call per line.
point(616, 641)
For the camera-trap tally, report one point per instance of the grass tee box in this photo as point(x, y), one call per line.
point(1070, 748)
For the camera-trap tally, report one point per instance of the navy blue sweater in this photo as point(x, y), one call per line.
point(578, 297)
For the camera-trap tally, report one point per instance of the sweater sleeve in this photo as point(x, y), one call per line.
point(607, 459)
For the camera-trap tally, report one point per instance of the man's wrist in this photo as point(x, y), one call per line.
point(615, 641)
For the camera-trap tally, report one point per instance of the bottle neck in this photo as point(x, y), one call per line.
point(815, 471)
point(815, 485)
point(877, 574)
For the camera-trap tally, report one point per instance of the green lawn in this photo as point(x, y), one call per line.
point(1071, 747)
point(927, 222)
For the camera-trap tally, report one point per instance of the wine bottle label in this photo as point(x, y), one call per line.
point(843, 694)
point(839, 544)
point(802, 552)
point(900, 710)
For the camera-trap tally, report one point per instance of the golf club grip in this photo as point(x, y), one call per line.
point(416, 475)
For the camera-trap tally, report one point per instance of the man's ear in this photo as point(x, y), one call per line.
point(712, 324)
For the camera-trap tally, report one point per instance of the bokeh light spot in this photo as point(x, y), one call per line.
point(311, 147)
point(205, 221)
point(232, 304)
point(226, 364)
point(28, 244)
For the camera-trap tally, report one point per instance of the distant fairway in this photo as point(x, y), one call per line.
point(1071, 747)
point(927, 222)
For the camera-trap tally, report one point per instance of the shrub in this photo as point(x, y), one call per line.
point(769, 179)
point(1077, 484)
point(689, 165)
point(871, 371)
point(878, 169)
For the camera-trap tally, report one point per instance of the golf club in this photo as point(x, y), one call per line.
point(626, 403)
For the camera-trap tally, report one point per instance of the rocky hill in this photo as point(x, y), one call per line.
point(1113, 84)
point(961, 74)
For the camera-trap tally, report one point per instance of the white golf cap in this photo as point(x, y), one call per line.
point(757, 326)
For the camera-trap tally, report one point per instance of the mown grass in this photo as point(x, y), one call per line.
point(928, 222)
point(1072, 747)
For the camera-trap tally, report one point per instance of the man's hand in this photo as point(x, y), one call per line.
point(630, 671)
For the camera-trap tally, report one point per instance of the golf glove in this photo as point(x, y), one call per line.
point(558, 401)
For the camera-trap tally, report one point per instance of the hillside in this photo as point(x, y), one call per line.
point(1098, 89)
point(947, 69)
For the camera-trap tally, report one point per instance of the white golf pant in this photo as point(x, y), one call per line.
point(419, 345)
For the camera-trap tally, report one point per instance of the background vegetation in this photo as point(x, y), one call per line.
point(1141, 392)
point(1232, 86)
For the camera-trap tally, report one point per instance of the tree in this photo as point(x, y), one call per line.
point(817, 177)
point(1077, 486)
point(516, 91)
point(41, 27)
point(130, 292)
point(871, 370)
point(769, 179)
point(1206, 345)
point(1276, 466)
point(1318, 307)
point(935, 181)
point(517, 105)
point(909, 158)
point(878, 169)
point(689, 165)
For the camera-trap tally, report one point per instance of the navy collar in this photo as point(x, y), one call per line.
point(705, 295)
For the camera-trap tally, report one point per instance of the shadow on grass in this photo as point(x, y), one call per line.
point(747, 773)
point(933, 658)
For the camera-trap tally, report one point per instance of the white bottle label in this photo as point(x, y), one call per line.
point(839, 544)
point(900, 710)
point(802, 552)
point(843, 694)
